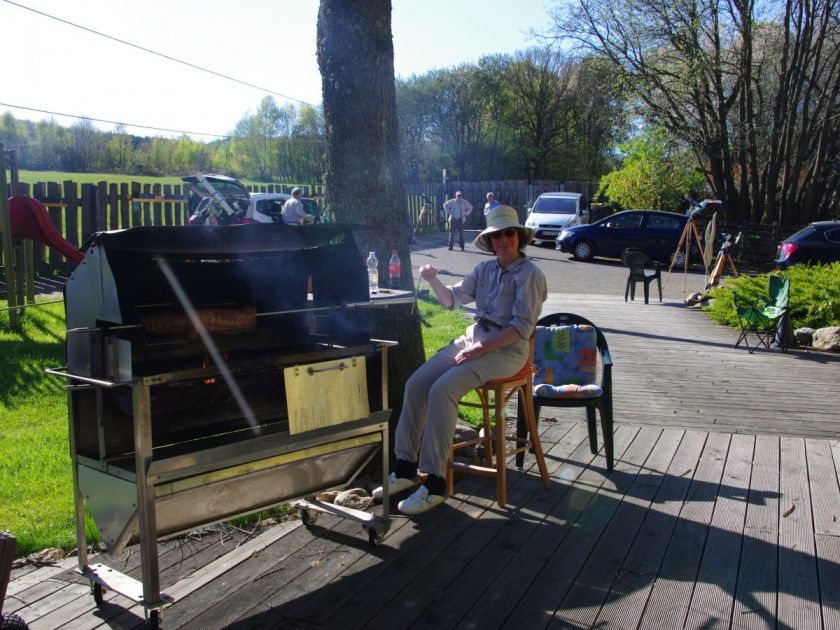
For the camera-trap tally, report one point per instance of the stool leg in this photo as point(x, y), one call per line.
point(501, 448)
point(450, 474)
point(531, 420)
point(487, 440)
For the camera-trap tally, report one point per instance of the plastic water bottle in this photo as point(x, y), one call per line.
point(394, 270)
point(373, 273)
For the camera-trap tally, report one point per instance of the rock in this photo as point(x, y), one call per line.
point(803, 336)
point(695, 298)
point(827, 339)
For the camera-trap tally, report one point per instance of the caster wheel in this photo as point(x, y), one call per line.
point(97, 591)
point(11, 621)
point(308, 517)
point(375, 538)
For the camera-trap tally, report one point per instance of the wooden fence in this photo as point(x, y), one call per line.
point(79, 210)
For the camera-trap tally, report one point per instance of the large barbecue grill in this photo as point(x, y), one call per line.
point(213, 372)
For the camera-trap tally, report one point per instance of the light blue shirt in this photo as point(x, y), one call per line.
point(507, 297)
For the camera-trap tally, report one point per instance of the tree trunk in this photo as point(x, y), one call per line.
point(363, 170)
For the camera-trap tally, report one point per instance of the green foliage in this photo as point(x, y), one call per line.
point(656, 175)
point(814, 296)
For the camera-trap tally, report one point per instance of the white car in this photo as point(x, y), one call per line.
point(552, 212)
point(228, 202)
point(266, 208)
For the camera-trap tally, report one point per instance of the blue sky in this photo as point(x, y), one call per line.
point(56, 67)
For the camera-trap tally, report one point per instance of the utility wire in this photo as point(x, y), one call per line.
point(114, 122)
point(153, 52)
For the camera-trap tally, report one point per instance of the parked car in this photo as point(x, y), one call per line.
point(817, 243)
point(553, 211)
point(656, 233)
point(228, 201)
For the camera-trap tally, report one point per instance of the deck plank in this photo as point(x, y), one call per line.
point(712, 600)
point(825, 500)
point(668, 602)
point(798, 589)
point(628, 597)
point(755, 596)
point(584, 600)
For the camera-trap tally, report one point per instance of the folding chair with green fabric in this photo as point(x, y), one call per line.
point(763, 316)
point(566, 360)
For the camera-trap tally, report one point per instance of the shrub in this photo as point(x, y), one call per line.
point(814, 296)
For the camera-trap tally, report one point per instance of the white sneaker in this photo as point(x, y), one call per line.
point(419, 502)
point(395, 484)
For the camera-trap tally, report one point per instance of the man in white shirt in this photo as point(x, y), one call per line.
point(293, 211)
point(457, 209)
point(492, 202)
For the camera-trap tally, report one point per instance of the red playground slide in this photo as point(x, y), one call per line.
point(29, 219)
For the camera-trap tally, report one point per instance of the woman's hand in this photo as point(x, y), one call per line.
point(428, 272)
point(470, 353)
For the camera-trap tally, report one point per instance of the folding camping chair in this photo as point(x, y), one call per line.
point(764, 316)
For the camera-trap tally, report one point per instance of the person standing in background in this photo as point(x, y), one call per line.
point(491, 203)
point(457, 209)
point(293, 211)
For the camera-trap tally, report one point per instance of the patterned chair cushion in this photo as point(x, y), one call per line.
point(565, 362)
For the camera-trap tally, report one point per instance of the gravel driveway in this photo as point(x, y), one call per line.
point(564, 275)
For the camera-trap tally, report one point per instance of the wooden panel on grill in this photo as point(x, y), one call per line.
point(325, 394)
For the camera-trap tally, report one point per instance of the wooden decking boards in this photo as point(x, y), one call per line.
point(722, 511)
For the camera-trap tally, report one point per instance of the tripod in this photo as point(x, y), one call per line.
point(689, 232)
point(723, 258)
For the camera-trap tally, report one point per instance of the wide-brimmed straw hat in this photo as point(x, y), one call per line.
point(502, 218)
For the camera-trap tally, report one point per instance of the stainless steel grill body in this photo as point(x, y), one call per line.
point(171, 433)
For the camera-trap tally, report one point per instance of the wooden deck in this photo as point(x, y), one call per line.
point(722, 511)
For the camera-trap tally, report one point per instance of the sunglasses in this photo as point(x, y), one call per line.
point(506, 233)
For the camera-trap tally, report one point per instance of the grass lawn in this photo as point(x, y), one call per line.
point(35, 475)
point(36, 503)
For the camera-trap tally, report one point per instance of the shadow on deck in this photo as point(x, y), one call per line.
point(721, 511)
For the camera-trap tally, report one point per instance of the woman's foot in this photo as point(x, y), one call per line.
point(431, 494)
point(395, 485)
point(403, 478)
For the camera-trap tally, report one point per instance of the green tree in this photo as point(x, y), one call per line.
point(752, 88)
point(656, 174)
point(255, 146)
point(119, 154)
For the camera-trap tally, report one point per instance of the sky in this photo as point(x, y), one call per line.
point(270, 44)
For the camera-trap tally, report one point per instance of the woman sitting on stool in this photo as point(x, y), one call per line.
point(508, 292)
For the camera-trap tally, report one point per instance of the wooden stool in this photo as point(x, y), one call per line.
point(496, 449)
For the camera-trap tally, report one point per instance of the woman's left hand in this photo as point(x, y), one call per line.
point(470, 353)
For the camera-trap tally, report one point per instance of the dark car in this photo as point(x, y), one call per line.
point(817, 243)
point(656, 233)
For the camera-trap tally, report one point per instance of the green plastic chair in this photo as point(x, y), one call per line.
point(763, 316)
point(636, 260)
